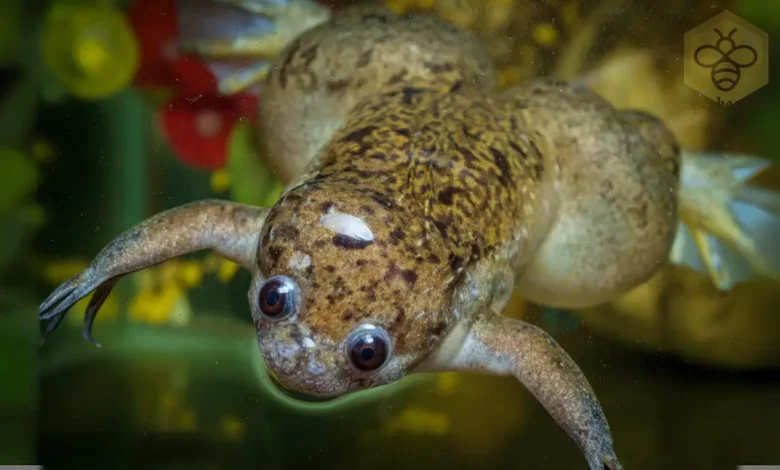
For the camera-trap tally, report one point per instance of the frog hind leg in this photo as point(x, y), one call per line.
point(505, 346)
point(228, 228)
point(615, 176)
point(729, 226)
point(238, 39)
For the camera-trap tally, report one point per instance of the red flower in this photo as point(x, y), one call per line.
point(197, 121)
point(198, 127)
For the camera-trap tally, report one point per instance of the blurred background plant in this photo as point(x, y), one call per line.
point(104, 120)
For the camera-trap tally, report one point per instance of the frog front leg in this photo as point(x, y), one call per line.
point(228, 228)
point(288, 18)
point(499, 345)
point(239, 39)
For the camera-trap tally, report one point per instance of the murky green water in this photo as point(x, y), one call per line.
point(156, 400)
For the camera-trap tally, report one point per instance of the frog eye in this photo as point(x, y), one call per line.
point(368, 348)
point(278, 298)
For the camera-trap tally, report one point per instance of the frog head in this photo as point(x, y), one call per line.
point(348, 291)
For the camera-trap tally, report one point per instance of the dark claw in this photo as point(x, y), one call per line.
point(97, 300)
point(59, 293)
point(72, 290)
point(51, 326)
point(607, 461)
point(56, 306)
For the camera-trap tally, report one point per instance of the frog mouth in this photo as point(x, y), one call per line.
point(299, 396)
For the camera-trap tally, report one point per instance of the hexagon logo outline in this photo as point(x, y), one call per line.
point(726, 58)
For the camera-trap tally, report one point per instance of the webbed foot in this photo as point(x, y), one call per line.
point(604, 459)
point(228, 228)
point(253, 30)
point(506, 346)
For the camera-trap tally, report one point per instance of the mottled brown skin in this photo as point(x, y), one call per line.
point(418, 197)
point(326, 72)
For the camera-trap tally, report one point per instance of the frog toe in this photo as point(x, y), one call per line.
point(605, 460)
point(233, 29)
point(64, 296)
point(57, 305)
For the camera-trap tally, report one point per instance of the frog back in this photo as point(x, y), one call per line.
point(358, 54)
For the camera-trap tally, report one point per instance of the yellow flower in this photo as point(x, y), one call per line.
point(224, 268)
point(545, 34)
point(447, 383)
point(227, 270)
point(232, 427)
point(155, 306)
point(510, 75)
point(190, 273)
point(420, 421)
point(220, 180)
point(59, 271)
point(404, 6)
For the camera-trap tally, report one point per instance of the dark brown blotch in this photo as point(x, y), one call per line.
point(288, 232)
point(350, 243)
point(375, 17)
point(438, 68)
point(309, 55)
point(365, 58)
point(446, 195)
point(382, 199)
point(274, 253)
point(360, 134)
point(294, 48)
point(325, 207)
point(398, 77)
point(396, 236)
point(409, 93)
point(403, 132)
point(456, 262)
point(518, 149)
point(398, 321)
point(410, 276)
point(438, 328)
point(338, 85)
point(503, 166)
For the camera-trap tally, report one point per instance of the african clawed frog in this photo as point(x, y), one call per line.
point(418, 198)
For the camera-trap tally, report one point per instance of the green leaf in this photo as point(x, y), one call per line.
point(11, 28)
point(18, 110)
point(14, 232)
point(252, 180)
point(762, 13)
point(18, 177)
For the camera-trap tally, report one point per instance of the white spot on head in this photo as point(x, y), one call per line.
point(316, 368)
point(299, 261)
point(308, 342)
point(347, 225)
point(287, 350)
